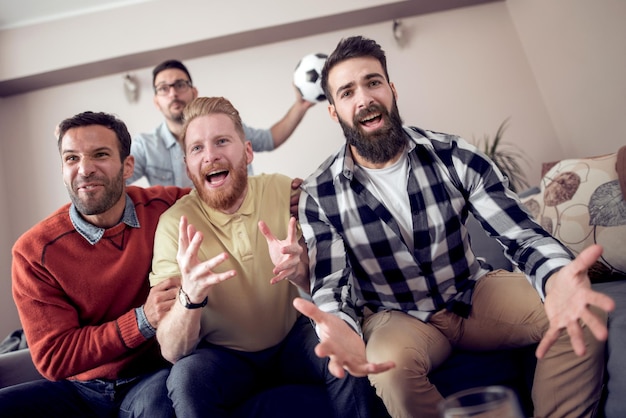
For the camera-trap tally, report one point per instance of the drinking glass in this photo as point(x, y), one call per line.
point(483, 402)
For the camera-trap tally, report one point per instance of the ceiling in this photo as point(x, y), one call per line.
point(15, 13)
point(22, 13)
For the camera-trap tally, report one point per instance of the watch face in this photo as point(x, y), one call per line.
point(182, 298)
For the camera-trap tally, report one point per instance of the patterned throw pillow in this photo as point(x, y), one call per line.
point(581, 203)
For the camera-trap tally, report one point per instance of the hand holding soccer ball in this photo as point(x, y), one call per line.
point(307, 77)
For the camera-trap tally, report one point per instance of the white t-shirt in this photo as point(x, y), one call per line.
point(389, 185)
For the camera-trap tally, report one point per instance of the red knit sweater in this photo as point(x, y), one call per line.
point(76, 301)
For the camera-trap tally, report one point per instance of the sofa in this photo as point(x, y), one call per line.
point(513, 368)
point(580, 201)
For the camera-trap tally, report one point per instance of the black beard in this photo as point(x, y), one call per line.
point(179, 119)
point(379, 146)
point(114, 190)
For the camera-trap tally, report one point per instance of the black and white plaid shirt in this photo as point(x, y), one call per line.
point(359, 259)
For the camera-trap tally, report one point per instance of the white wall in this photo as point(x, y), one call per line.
point(8, 314)
point(577, 50)
point(463, 71)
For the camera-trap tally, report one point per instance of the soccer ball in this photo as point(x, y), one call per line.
point(308, 77)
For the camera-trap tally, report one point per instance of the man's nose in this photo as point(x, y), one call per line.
point(86, 167)
point(364, 99)
point(210, 154)
point(171, 91)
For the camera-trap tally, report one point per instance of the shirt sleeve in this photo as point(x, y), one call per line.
point(261, 139)
point(164, 263)
point(330, 272)
point(503, 216)
point(147, 330)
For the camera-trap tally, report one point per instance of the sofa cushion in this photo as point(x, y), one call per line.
point(581, 203)
point(17, 367)
point(485, 247)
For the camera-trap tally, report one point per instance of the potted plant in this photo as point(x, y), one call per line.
point(507, 157)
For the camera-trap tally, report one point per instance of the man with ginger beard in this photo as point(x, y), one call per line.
point(395, 283)
point(234, 332)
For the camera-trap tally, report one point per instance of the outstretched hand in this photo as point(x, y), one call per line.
point(344, 347)
point(197, 276)
point(285, 254)
point(568, 300)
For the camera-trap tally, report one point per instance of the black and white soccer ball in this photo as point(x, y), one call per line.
point(307, 77)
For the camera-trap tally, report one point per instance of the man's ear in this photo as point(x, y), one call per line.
point(333, 112)
point(249, 152)
point(129, 167)
point(187, 170)
point(393, 90)
point(156, 102)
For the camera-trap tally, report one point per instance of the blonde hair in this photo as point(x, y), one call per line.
point(202, 106)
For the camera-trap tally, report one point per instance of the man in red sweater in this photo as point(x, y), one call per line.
point(80, 283)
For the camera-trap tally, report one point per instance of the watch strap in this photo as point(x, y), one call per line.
point(184, 300)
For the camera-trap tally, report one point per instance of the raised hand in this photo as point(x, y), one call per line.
point(197, 276)
point(568, 299)
point(285, 254)
point(339, 342)
point(301, 101)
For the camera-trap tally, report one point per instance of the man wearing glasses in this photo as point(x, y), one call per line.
point(159, 156)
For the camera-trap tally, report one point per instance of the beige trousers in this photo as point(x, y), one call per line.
point(506, 312)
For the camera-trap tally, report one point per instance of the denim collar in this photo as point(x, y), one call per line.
point(93, 233)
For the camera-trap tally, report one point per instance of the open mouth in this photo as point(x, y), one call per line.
point(216, 178)
point(371, 119)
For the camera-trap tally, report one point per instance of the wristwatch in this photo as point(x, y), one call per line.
point(184, 300)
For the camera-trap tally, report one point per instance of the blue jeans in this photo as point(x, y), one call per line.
point(143, 396)
point(215, 382)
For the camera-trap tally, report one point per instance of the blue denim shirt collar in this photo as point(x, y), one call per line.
point(93, 233)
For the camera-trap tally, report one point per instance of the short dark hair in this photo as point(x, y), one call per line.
point(353, 47)
point(98, 118)
point(166, 65)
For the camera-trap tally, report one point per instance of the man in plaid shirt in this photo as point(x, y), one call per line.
point(390, 257)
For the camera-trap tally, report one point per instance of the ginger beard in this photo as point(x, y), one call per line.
point(225, 197)
point(378, 146)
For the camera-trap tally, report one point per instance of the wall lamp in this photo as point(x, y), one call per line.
point(131, 88)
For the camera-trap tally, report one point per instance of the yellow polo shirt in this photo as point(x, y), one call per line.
point(245, 312)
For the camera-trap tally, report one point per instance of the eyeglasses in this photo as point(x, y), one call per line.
point(180, 86)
